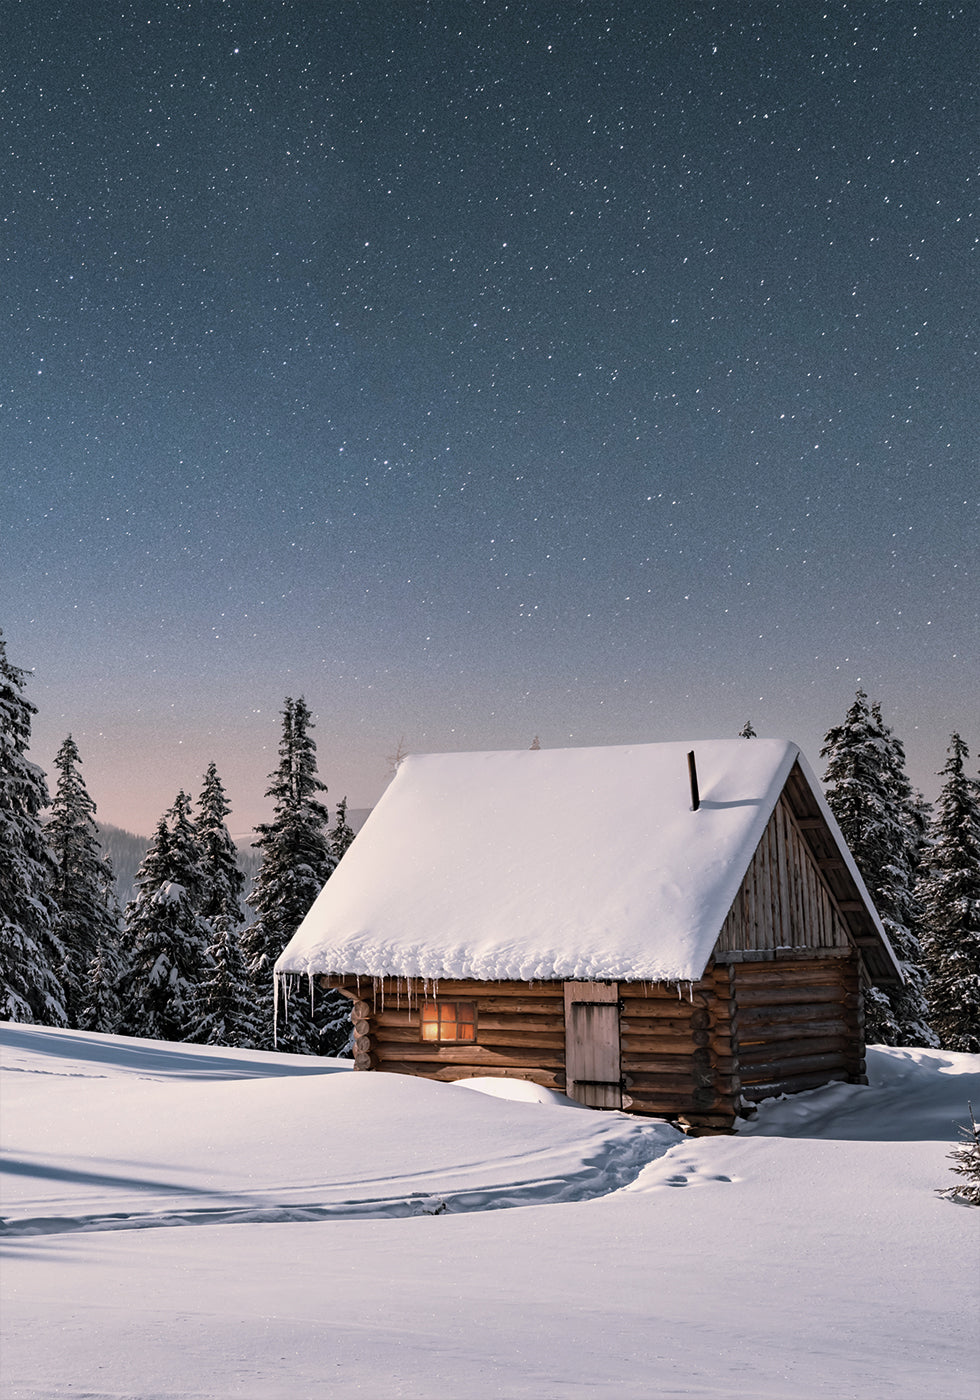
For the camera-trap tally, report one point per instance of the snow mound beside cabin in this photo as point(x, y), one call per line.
point(163, 1142)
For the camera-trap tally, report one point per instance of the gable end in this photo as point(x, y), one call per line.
point(799, 895)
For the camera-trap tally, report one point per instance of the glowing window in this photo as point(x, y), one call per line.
point(449, 1020)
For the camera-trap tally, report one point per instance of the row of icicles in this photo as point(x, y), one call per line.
point(426, 987)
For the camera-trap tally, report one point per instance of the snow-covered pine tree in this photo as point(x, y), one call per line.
point(167, 936)
point(881, 819)
point(296, 863)
point(341, 834)
point(227, 999)
point(222, 879)
point(30, 953)
point(950, 891)
point(102, 1010)
point(966, 1163)
point(227, 1015)
point(85, 919)
point(896, 896)
point(746, 731)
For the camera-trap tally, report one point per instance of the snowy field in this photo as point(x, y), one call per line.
point(181, 1222)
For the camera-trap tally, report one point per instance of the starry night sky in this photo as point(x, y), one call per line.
point(484, 370)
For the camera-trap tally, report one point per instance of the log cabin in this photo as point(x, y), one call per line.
point(674, 929)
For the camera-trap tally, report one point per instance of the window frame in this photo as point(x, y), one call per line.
point(443, 1023)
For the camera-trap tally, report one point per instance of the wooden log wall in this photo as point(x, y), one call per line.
point(675, 1063)
point(746, 1031)
point(795, 1025)
point(784, 900)
point(520, 1029)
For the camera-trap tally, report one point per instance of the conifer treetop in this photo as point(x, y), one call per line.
point(882, 821)
point(87, 916)
point(295, 781)
point(168, 935)
point(950, 894)
point(222, 879)
point(341, 833)
point(297, 860)
point(30, 953)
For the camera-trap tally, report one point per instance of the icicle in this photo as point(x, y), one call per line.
point(309, 978)
point(275, 1011)
point(282, 984)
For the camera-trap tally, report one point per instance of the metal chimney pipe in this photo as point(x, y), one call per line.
point(692, 770)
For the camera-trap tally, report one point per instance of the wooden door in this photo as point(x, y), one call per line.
point(592, 1068)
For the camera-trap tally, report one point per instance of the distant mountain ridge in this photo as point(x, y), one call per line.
point(126, 851)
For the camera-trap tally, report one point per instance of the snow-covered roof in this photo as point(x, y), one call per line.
point(556, 863)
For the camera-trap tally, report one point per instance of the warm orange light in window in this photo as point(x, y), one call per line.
point(448, 1020)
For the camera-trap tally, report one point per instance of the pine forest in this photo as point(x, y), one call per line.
point(188, 955)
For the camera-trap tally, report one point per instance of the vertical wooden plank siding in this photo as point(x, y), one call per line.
point(786, 917)
point(592, 1052)
point(784, 901)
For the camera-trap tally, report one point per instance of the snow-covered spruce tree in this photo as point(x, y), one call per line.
point(168, 938)
point(30, 953)
point(746, 731)
point(102, 1010)
point(85, 919)
point(896, 896)
point(222, 879)
point(226, 997)
point(341, 834)
point(296, 863)
point(882, 822)
point(227, 1001)
point(950, 891)
point(966, 1163)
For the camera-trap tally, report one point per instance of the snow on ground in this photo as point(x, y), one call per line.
point(183, 1222)
point(147, 1151)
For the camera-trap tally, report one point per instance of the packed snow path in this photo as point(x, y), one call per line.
point(278, 1138)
